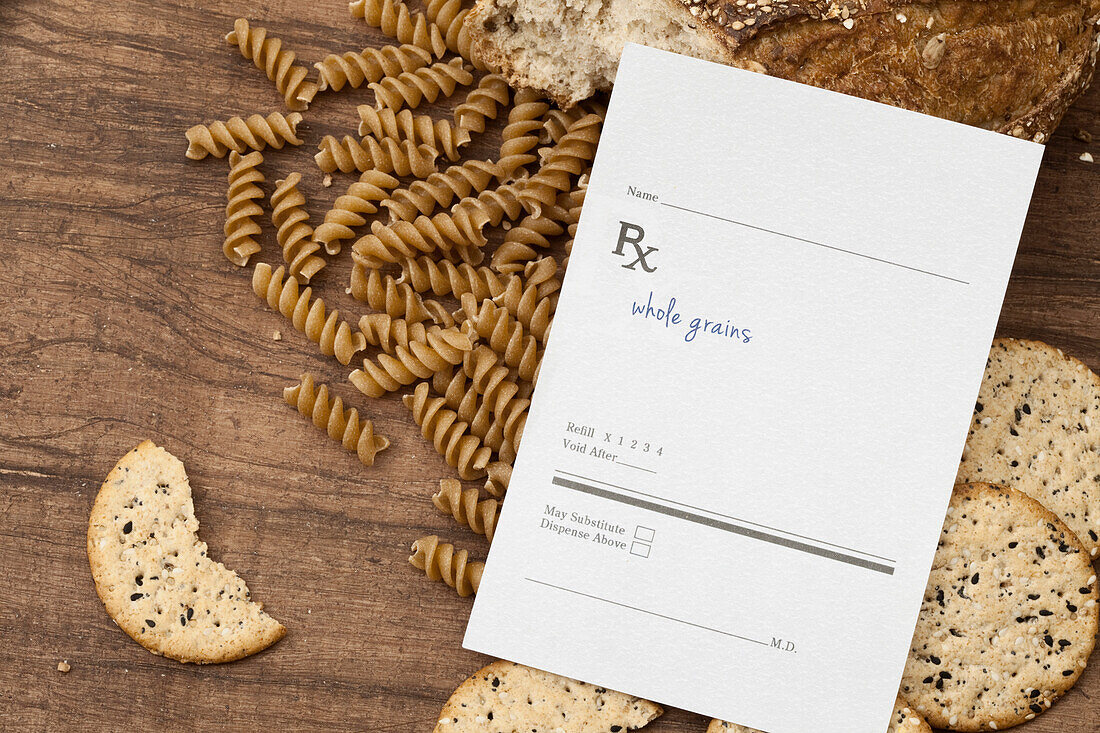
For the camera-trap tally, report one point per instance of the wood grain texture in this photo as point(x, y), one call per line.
point(120, 320)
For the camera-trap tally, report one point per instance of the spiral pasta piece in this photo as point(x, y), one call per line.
point(575, 202)
point(569, 158)
point(483, 102)
point(440, 189)
point(395, 19)
point(440, 561)
point(522, 242)
point(385, 156)
point(354, 68)
point(241, 208)
point(288, 214)
point(502, 399)
point(387, 333)
point(556, 123)
point(448, 15)
point(504, 334)
point(254, 132)
point(498, 476)
point(440, 349)
point(467, 221)
point(278, 63)
point(402, 240)
point(420, 129)
point(412, 88)
point(424, 274)
point(307, 314)
point(383, 293)
point(521, 135)
point(343, 426)
point(449, 435)
point(471, 408)
point(348, 211)
point(480, 516)
point(488, 377)
point(525, 304)
point(543, 275)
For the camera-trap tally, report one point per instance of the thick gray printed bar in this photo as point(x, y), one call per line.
point(725, 526)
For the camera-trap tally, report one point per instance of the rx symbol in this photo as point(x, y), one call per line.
point(633, 234)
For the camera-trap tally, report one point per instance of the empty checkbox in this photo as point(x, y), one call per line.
point(640, 549)
point(645, 534)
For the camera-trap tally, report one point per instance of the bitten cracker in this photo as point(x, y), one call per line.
point(904, 720)
point(510, 698)
point(1033, 430)
point(153, 574)
point(1009, 615)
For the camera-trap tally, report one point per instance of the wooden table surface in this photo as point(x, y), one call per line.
point(120, 320)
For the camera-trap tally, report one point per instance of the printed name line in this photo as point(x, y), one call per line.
point(819, 244)
point(726, 526)
point(651, 613)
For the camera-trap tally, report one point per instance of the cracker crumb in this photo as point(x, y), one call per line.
point(277, 336)
point(327, 180)
point(1087, 157)
point(63, 667)
point(901, 17)
point(1083, 135)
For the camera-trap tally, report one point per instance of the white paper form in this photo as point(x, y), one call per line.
point(754, 398)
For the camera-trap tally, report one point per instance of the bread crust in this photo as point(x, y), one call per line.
point(973, 64)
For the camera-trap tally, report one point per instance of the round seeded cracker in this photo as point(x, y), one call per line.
point(904, 720)
point(153, 574)
point(509, 698)
point(1009, 615)
point(1036, 428)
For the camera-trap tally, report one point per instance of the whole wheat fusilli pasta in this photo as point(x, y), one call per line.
point(420, 129)
point(411, 88)
point(289, 215)
point(533, 233)
point(521, 135)
point(383, 293)
point(504, 335)
point(522, 299)
point(332, 334)
point(449, 435)
point(449, 15)
point(354, 68)
point(569, 158)
point(498, 475)
point(575, 202)
point(403, 240)
point(341, 425)
point(395, 19)
point(254, 132)
point(241, 209)
point(387, 333)
point(467, 221)
point(556, 122)
point(483, 102)
point(480, 516)
point(441, 349)
point(491, 403)
point(348, 211)
point(440, 189)
point(385, 156)
point(269, 55)
point(425, 274)
point(440, 561)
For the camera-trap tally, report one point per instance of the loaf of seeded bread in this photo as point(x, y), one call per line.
point(1013, 66)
